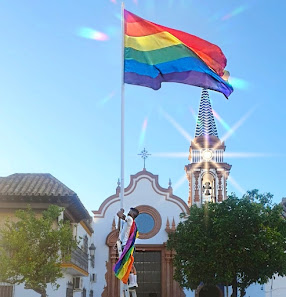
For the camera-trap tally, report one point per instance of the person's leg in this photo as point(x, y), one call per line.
point(133, 278)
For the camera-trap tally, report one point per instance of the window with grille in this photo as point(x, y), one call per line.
point(69, 292)
point(91, 293)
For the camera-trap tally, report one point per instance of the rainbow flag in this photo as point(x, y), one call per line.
point(154, 54)
point(124, 264)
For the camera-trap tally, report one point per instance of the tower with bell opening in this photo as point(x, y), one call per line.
point(207, 172)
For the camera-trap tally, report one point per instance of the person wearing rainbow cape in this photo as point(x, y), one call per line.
point(124, 268)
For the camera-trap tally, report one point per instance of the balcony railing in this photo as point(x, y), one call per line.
point(79, 258)
point(78, 263)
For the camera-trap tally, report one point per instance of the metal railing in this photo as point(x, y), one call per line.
point(79, 258)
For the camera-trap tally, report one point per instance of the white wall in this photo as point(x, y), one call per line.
point(144, 192)
point(20, 291)
point(276, 287)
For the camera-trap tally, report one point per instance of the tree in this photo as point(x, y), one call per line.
point(33, 247)
point(237, 242)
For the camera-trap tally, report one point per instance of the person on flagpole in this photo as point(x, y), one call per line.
point(124, 268)
point(128, 221)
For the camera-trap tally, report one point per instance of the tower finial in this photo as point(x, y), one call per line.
point(205, 123)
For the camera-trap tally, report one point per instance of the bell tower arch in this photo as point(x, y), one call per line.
point(207, 172)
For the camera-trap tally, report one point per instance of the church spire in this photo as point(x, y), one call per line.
point(207, 172)
point(205, 122)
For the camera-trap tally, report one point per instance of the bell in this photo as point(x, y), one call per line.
point(208, 192)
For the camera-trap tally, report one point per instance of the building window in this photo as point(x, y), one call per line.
point(149, 221)
point(92, 261)
point(91, 293)
point(145, 223)
point(85, 244)
point(83, 294)
point(69, 292)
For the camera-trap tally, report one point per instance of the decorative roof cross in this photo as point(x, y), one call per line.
point(144, 155)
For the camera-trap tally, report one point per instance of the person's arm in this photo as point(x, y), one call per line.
point(124, 234)
point(121, 214)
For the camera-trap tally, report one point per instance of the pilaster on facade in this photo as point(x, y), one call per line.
point(196, 188)
point(220, 187)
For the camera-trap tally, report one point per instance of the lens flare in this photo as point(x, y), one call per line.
point(235, 12)
point(216, 16)
point(118, 16)
point(89, 33)
point(237, 125)
point(224, 124)
point(198, 122)
point(239, 83)
point(177, 126)
point(171, 2)
point(113, 31)
point(135, 2)
point(143, 132)
point(230, 179)
point(107, 98)
point(180, 182)
point(236, 185)
point(113, 1)
point(247, 155)
point(194, 114)
point(171, 155)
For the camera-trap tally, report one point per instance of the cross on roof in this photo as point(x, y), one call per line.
point(144, 155)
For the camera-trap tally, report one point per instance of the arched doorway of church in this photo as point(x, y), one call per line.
point(210, 291)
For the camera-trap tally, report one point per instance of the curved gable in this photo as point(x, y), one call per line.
point(135, 180)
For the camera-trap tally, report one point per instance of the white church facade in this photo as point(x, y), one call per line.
point(160, 209)
point(159, 214)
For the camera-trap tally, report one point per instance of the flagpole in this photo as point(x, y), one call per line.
point(122, 109)
point(122, 293)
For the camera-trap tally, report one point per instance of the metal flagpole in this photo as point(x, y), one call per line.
point(122, 110)
point(124, 292)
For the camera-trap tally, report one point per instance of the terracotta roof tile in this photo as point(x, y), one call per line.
point(33, 184)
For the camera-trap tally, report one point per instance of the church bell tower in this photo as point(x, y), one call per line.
point(207, 172)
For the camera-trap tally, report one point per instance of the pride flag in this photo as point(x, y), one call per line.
point(124, 264)
point(154, 54)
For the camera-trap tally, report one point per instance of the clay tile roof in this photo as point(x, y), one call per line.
point(33, 184)
point(41, 187)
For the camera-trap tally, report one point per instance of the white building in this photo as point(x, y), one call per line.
point(17, 191)
point(159, 214)
point(160, 211)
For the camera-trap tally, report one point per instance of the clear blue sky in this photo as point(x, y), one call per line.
point(60, 93)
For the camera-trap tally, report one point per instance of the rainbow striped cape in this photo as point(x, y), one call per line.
point(154, 54)
point(124, 264)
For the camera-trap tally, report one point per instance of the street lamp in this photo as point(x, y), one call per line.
point(92, 249)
